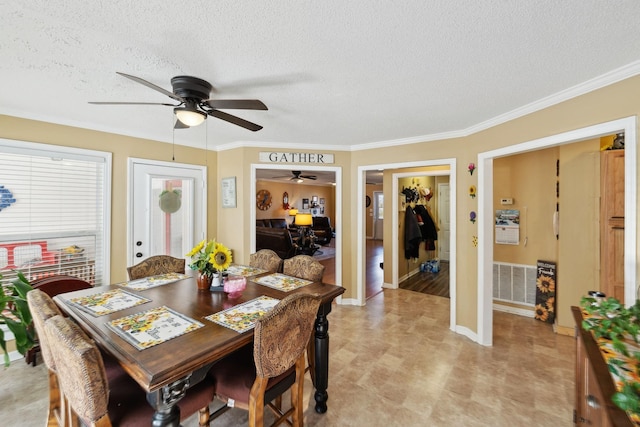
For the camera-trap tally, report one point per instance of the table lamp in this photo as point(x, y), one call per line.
point(304, 221)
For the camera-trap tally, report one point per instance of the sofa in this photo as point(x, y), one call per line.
point(277, 239)
point(272, 223)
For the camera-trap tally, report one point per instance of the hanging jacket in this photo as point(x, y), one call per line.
point(412, 235)
point(428, 228)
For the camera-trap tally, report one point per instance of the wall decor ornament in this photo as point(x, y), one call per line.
point(472, 167)
point(472, 217)
point(474, 240)
point(170, 201)
point(472, 191)
point(6, 198)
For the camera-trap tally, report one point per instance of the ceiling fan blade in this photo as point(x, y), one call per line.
point(234, 119)
point(242, 104)
point(134, 103)
point(309, 177)
point(152, 86)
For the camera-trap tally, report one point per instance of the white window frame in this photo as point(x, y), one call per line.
point(33, 148)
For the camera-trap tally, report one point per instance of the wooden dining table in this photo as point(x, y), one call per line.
point(166, 370)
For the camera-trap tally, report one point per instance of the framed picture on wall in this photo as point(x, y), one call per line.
point(322, 200)
point(228, 192)
point(305, 203)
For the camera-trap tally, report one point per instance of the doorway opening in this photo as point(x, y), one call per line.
point(448, 167)
point(486, 217)
point(279, 169)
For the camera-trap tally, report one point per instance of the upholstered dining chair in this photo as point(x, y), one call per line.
point(43, 308)
point(52, 286)
point(257, 377)
point(98, 402)
point(157, 264)
point(266, 259)
point(304, 267)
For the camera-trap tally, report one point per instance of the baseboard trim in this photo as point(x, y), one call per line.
point(514, 310)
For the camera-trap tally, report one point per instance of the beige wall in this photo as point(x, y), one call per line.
point(530, 179)
point(613, 102)
point(606, 104)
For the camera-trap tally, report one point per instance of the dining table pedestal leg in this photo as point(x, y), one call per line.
point(164, 401)
point(321, 357)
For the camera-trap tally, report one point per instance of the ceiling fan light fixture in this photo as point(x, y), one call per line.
point(190, 116)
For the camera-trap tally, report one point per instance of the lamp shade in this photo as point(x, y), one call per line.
point(293, 212)
point(190, 117)
point(304, 219)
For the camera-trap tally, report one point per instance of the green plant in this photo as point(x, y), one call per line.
point(610, 319)
point(14, 312)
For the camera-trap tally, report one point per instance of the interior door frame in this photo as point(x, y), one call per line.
point(200, 191)
point(486, 216)
point(338, 200)
point(361, 230)
point(439, 185)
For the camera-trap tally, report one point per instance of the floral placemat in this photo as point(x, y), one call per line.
point(153, 281)
point(152, 327)
point(282, 282)
point(242, 317)
point(108, 302)
point(244, 270)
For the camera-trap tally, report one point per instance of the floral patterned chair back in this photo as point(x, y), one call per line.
point(304, 267)
point(154, 265)
point(266, 259)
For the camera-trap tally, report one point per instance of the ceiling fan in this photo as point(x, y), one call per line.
point(194, 104)
point(297, 176)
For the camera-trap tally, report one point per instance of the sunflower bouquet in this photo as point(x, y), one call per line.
point(210, 257)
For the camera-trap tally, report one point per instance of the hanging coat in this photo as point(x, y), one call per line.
point(412, 235)
point(428, 228)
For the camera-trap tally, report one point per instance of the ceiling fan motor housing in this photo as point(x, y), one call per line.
point(188, 87)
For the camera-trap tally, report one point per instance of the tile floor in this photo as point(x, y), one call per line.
point(395, 362)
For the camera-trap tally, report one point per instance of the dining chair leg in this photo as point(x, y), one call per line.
point(256, 403)
point(203, 417)
point(56, 413)
point(311, 360)
point(297, 391)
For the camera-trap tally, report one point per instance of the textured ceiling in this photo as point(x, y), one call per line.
point(335, 74)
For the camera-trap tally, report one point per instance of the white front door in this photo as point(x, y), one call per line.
point(444, 222)
point(167, 203)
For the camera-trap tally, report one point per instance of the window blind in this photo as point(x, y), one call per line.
point(53, 211)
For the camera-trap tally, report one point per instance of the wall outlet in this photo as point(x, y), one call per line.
point(506, 201)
